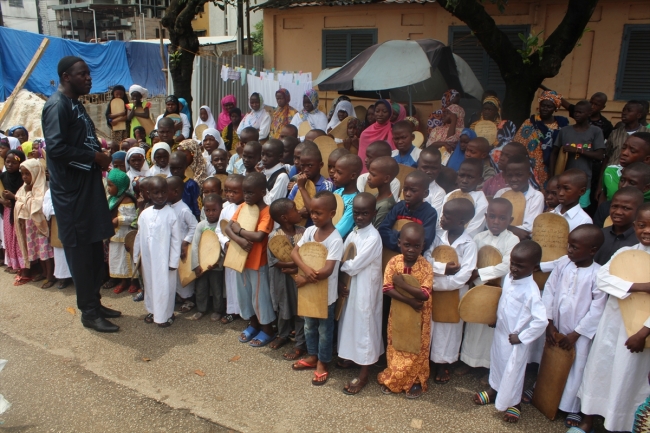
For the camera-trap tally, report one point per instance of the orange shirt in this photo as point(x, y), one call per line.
point(258, 257)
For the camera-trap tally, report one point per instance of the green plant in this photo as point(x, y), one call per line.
point(532, 44)
point(175, 57)
point(258, 39)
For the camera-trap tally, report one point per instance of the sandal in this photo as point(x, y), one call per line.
point(415, 392)
point(19, 281)
point(38, 277)
point(119, 288)
point(572, 417)
point(63, 283)
point(168, 323)
point(527, 398)
point(261, 339)
point(354, 386)
point(316, 381)
point(482, 398)
point(133, 288)
point(228, 318)
point(248, 333)
point(512, 415)
point(302, 365)
point(440, 381)
point(109, 284)
point(294, 354)
point(138, 297)
point(384, 390)
point(186, 307)
point(278, 343)
point(148, 318)
point(47, 284)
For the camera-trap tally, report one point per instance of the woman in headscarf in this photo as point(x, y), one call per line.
point(335, 102)
point(195, 160)
point(138, 97)
point(118, 92)
point(343, 110)
point(173, 107)
point(32, 230)
point(458, 155)
point(282, 114)
point(380, 130)
point(229, 133)
point(205, 118)
point(450, 97)
point(19, 132)
point(12, 180)
point(506, 129)
point(135, 163)
point(399, 112)
point(539, 132)
point(446, 136)
point(211, 140)
point(26, 148)
point(228, 102)
point(310, 112)
point(185, 109)
point(257, 118)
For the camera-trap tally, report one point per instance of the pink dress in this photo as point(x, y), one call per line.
point(13, 256)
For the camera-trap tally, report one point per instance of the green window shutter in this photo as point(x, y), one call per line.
point(341, 46)
point(632, 81)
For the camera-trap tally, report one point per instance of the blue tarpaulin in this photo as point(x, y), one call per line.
point(108, 62)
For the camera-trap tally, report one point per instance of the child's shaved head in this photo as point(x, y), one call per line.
point(380, 148)
point(530, 250)
point(413, 230)
point(213, 198)
point(280, 207)
point(642, 170)
point(630, 192)
point(475, 164)
point(255, 180)
point(366, 199)
point(175, 183)
point(480, 144)
point(590, 234)
point(403, 125)
point(235, 178)
point(254, 146)
point(311, 151)
point(575, 176)
point(386, 165)
point(500, 203)
point(351, 161)
point(433, 151)
point(460, 207)
point(419, 178)
point(338, 152)
point(327, 199)
point(156, 182)
point(178, 157)
point(212, 181)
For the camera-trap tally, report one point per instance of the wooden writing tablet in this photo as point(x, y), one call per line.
point(444, 304)
point(349, 254)
point(372, 191)
point(118, 106)
point(129, 240)
point(209, 249)
point(222, 226)
point(479, 305)
point(633, 266)
point(326, 145)
point(553, 373)
point(281, 248)
point(312, 297)
point(487, 130)
point(54, 234)
point(488, 256)
point(387, 253)
point(341, 130)
point(185, 272)
point(551, 232)
point(2, 187)
point(406, 322)
point(298, 200)
point(303, 129)
point(177, 119)
point(560, 162)
point(518, 201)
point(418, 139)
point(236, 256)
point(608, 222)
point(340, 209)
point(199, 131)
point(404, 170)
point(146, 122)
point(360, 111)
point(460, 194)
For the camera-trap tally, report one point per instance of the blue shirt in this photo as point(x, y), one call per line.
point(346, 223)
point(191, 194)
point(321, 185)
point(410, 159)
point(425, 215)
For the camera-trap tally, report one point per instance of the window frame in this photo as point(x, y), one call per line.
point(349, 33)
point(622, 60)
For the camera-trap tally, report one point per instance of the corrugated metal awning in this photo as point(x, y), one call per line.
point(284, 4)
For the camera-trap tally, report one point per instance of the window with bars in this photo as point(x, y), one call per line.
point(634, 64)
point(341, 46)
point(464, 44)
point(16, 3)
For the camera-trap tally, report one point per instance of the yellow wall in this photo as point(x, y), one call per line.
point(293, 41)
point(202, 21)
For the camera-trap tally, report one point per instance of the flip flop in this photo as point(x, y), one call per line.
point(578, 430)
point(19, 281)
point(263, 339)
point(249, 334)
point(575, 417)
point(527, 398)
point(354, 382)
point(417, 387)
point(303, 365)
point(318, 375)
point(513, 413)
point(483, 398)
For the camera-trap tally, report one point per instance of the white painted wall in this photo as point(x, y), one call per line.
point(20, 18)
point(228, 26)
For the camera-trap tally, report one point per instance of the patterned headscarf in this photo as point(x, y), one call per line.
point(122, 182)
point(224, 117)
point(494, 101)
point(312, 95)
point(193, 147)
point(15, 128)
point(435, 119)
point(119, 156)
point(551, 95)
point(414, 121)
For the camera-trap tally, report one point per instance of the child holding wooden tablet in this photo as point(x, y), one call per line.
point(469, 177)
point(319, 333)
point(406, 371)
point(346, 171)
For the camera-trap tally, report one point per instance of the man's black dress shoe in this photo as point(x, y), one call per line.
point(108, 313)
point(100, 325)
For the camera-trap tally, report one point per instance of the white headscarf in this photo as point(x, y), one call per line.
point(14, 143)
point(254, 118)
point(210, 122)
point(160, 145)
point(341, 106)
point(135, 88)
point(213, 132)
point(132, 172)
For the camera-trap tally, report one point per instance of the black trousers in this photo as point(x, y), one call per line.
point(86, 263)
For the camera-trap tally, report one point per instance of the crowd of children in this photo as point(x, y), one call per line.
point(171, 190)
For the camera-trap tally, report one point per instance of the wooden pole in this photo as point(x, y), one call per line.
point(21, 83)
point(162, 53)
point(248, 28)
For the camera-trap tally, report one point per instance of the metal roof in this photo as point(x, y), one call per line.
point(203, 40)
point(284, 4)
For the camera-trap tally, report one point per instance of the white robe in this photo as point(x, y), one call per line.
point(61, 269)
point(230, 275)
point(446, 337)
point(521, 311)
point(574, 303)
point(615, 380)
point(187, 225)
point(360, 324)
point(436, 197)
point(158, 245)
point(477, 339)
point(155, 171)
point(477, 224)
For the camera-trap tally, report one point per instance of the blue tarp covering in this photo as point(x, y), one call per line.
point(109, 63)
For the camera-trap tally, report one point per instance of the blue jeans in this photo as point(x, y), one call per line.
point(319, 334)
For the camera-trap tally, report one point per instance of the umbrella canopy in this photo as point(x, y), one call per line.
point(414, 71)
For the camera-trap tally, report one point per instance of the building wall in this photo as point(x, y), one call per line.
point(20, 18)
point(591, 67)
point(224, 23)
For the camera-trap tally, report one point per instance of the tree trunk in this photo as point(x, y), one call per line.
point(520, 92)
